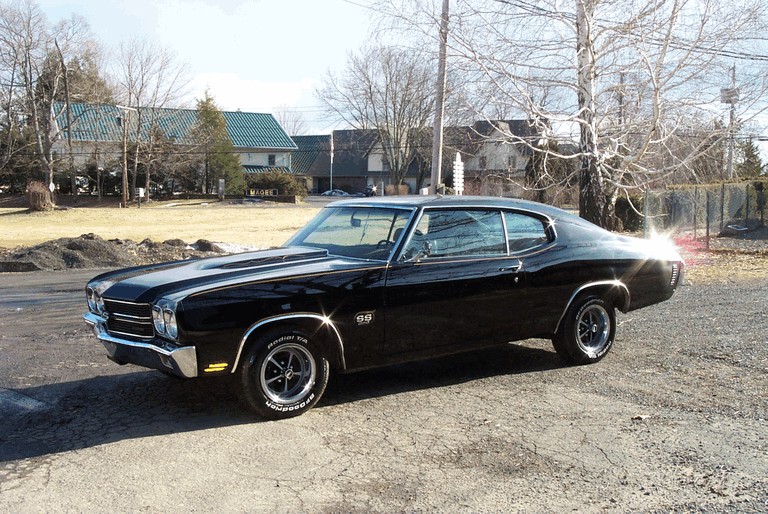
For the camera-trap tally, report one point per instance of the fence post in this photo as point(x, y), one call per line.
point(722, 207)
point(708, 219)
point(695, 210)
point(746, 208)
point(645, 214)
point(673, 209)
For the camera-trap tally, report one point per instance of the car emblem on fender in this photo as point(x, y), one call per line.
point(364, 318)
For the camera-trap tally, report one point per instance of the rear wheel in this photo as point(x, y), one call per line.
point(587, 331)
point(284, 375)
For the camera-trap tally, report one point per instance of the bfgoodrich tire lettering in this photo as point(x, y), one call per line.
point(283, 375)
point(587, 331)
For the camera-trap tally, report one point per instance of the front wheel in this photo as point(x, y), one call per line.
point(587, 331)
point(284, 375)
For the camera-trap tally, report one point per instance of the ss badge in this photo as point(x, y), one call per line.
point(364, 318)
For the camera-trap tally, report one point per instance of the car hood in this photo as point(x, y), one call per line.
point(175, 280)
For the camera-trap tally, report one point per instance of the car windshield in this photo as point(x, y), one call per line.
point(359, 232)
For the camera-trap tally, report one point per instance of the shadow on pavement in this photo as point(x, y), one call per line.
point(107, 409)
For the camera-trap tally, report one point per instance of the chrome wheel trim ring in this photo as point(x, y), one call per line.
point(593, 330)
point(287, 374)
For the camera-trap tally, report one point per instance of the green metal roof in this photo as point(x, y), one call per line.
point(250, 168)
point(256, 130)
point(313, 154)
point(103, 123)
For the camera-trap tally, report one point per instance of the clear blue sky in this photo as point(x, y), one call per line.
point(253, 55)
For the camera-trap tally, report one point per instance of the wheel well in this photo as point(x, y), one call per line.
point(321, 330)
point(614, 292)
point(616, 295)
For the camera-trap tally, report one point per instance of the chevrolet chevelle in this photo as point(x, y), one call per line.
point(376, 281)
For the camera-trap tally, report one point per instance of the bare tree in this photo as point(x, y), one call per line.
point(389, 89)
point(291, 120)
point(631, 80)
point(34, 58)
point(11, 48)
point(148, 79)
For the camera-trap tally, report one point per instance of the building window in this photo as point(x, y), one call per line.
point(512, 162)
point(271, 159)
point(483, 163)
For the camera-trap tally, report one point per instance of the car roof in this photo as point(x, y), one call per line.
point(427, 201)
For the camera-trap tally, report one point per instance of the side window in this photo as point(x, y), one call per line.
point(524, 232)
point(449, 233)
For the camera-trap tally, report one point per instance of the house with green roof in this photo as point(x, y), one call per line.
point(97, 134)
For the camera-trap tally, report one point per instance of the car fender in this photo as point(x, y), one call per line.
point(266, 322)
point(601, 285)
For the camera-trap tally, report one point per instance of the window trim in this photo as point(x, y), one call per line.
point(547, 222)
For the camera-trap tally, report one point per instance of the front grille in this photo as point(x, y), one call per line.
point(129, 319)
point(675, 274)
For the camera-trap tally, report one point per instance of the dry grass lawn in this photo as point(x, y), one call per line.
point(262, 225)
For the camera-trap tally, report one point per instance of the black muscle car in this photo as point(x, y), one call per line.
point(376, 281)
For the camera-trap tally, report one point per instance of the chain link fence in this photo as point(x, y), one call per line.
point(705, 211)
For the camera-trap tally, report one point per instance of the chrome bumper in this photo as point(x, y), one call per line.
point(181, 361)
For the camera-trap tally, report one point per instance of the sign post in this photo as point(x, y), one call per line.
point(458, 175)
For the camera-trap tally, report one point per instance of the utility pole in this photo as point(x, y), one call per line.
point(124, 125)
point(730, 96)
point(331, 169)
point(437, 136)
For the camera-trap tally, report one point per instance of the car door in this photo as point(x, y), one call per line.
point(454, 285)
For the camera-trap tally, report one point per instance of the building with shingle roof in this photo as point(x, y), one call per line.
point(493, 151)
point(355, 164)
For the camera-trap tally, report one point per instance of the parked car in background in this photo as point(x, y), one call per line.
point(377, 281)
point(334, 192)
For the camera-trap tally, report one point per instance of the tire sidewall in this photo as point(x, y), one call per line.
point(252, 389)
point(567, 339)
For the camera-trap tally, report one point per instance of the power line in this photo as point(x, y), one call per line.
point(678, 44)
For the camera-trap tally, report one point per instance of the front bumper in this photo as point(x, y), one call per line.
point(181, 361)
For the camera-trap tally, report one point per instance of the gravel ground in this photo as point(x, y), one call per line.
point(673, 419)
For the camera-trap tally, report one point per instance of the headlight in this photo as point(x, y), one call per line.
point(164, 319)
point(170, 323)
point(90, 295)
point(95, 301)
point(93, 294)
point(157, 320)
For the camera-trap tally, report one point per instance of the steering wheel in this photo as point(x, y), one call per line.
point(384, 243)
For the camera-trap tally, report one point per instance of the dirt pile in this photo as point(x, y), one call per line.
point(91, 251)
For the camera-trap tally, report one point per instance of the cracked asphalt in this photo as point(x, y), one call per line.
point(673, 419)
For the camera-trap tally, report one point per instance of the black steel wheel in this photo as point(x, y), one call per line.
point(587, 330)
point(283, 375)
